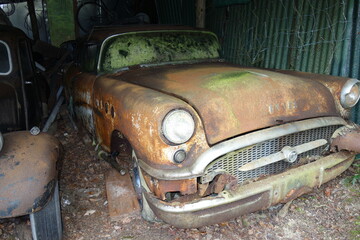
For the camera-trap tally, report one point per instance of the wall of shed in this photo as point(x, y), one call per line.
point(320, 36)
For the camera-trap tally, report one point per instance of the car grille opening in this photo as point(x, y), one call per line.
point(232, 161)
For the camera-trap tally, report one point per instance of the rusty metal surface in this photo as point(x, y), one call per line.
point(137, 113)
point(333, 83)
point(348, 139)
point(253, 196)
point(121, 196)
point(161, 187)
point(27, 172)
point(213, 89)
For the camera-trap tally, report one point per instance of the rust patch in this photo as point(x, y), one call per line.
point(348, 140)
point(220, 182)
point(294, 193)
point(23, 191)
point(161, 187)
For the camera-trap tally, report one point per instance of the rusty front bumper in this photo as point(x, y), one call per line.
point(251, 197)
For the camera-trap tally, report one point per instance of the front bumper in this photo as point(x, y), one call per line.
point(255, 196)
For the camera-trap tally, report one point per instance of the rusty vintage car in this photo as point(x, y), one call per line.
point(210, 140)
point(28, 161)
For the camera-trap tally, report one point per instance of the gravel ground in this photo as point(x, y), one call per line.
point(329, 212)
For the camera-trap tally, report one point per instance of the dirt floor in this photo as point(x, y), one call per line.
point(330, 212)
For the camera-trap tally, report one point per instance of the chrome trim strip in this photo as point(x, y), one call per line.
point(198, 167)
point(10, 59)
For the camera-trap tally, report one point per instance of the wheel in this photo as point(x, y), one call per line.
point(8, 8)
point(91, 14)
point(46, 223)
point(138, 182)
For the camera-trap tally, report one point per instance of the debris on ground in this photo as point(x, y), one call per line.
point(330, 212)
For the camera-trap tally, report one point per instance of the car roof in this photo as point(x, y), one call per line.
point(98, 34)
point(8, 33)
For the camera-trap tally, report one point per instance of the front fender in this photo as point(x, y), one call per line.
point(137, 112)
point(27, 172)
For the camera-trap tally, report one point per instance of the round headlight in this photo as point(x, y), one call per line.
point(350, 93)
point(178, 126)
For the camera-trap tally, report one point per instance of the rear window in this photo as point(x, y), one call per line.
point(157, 47)
point(5, 59)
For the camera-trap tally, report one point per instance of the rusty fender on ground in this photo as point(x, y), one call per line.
point(27, 172)
point(346, 138)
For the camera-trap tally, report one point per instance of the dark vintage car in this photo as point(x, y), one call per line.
point(210, 140)
point(22, 92)
point(28, 161)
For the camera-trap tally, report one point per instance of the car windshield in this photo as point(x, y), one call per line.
point(156, 47)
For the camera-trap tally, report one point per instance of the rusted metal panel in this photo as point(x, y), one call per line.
point(83, 100)
point(303, 35)
point(137, 113)
point(24, 191)
point(348, 139)
point(214, 90)
point(251, 197)
point(161, 187)
point(122, 199)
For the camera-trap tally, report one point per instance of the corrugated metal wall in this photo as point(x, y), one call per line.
point(313, 36)
point(181, 12)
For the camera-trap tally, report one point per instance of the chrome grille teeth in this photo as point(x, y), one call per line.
point(232, 161)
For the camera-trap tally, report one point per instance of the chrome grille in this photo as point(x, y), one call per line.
point(232, 161)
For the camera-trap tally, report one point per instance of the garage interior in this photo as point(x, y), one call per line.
point(321, 37)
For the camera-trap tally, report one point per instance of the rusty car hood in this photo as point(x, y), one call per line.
point(232, 100)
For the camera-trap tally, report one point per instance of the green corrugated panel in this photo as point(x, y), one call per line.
point(355, 54)
point(312, 36)
point(176, 12)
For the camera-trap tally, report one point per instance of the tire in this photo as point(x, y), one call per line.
point(146, 212)
point(91, 14)
point(9, 9)
point(138, 183)
point(46, 224)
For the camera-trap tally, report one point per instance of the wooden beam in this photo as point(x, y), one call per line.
point(200, 13)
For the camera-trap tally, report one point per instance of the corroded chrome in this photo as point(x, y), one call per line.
point(346, 90)
point(288, 154)
point(198, 167)
point(251, 197)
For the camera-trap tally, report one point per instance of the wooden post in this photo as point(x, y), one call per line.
point(33, 19)
point(200, 13)
point(76, 26)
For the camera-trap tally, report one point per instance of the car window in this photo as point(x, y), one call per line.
point(5, 59)
point(156, 47)
point(26, 64)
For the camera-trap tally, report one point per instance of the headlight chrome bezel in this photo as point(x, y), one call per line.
point(168, 132)
point(346, 89)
